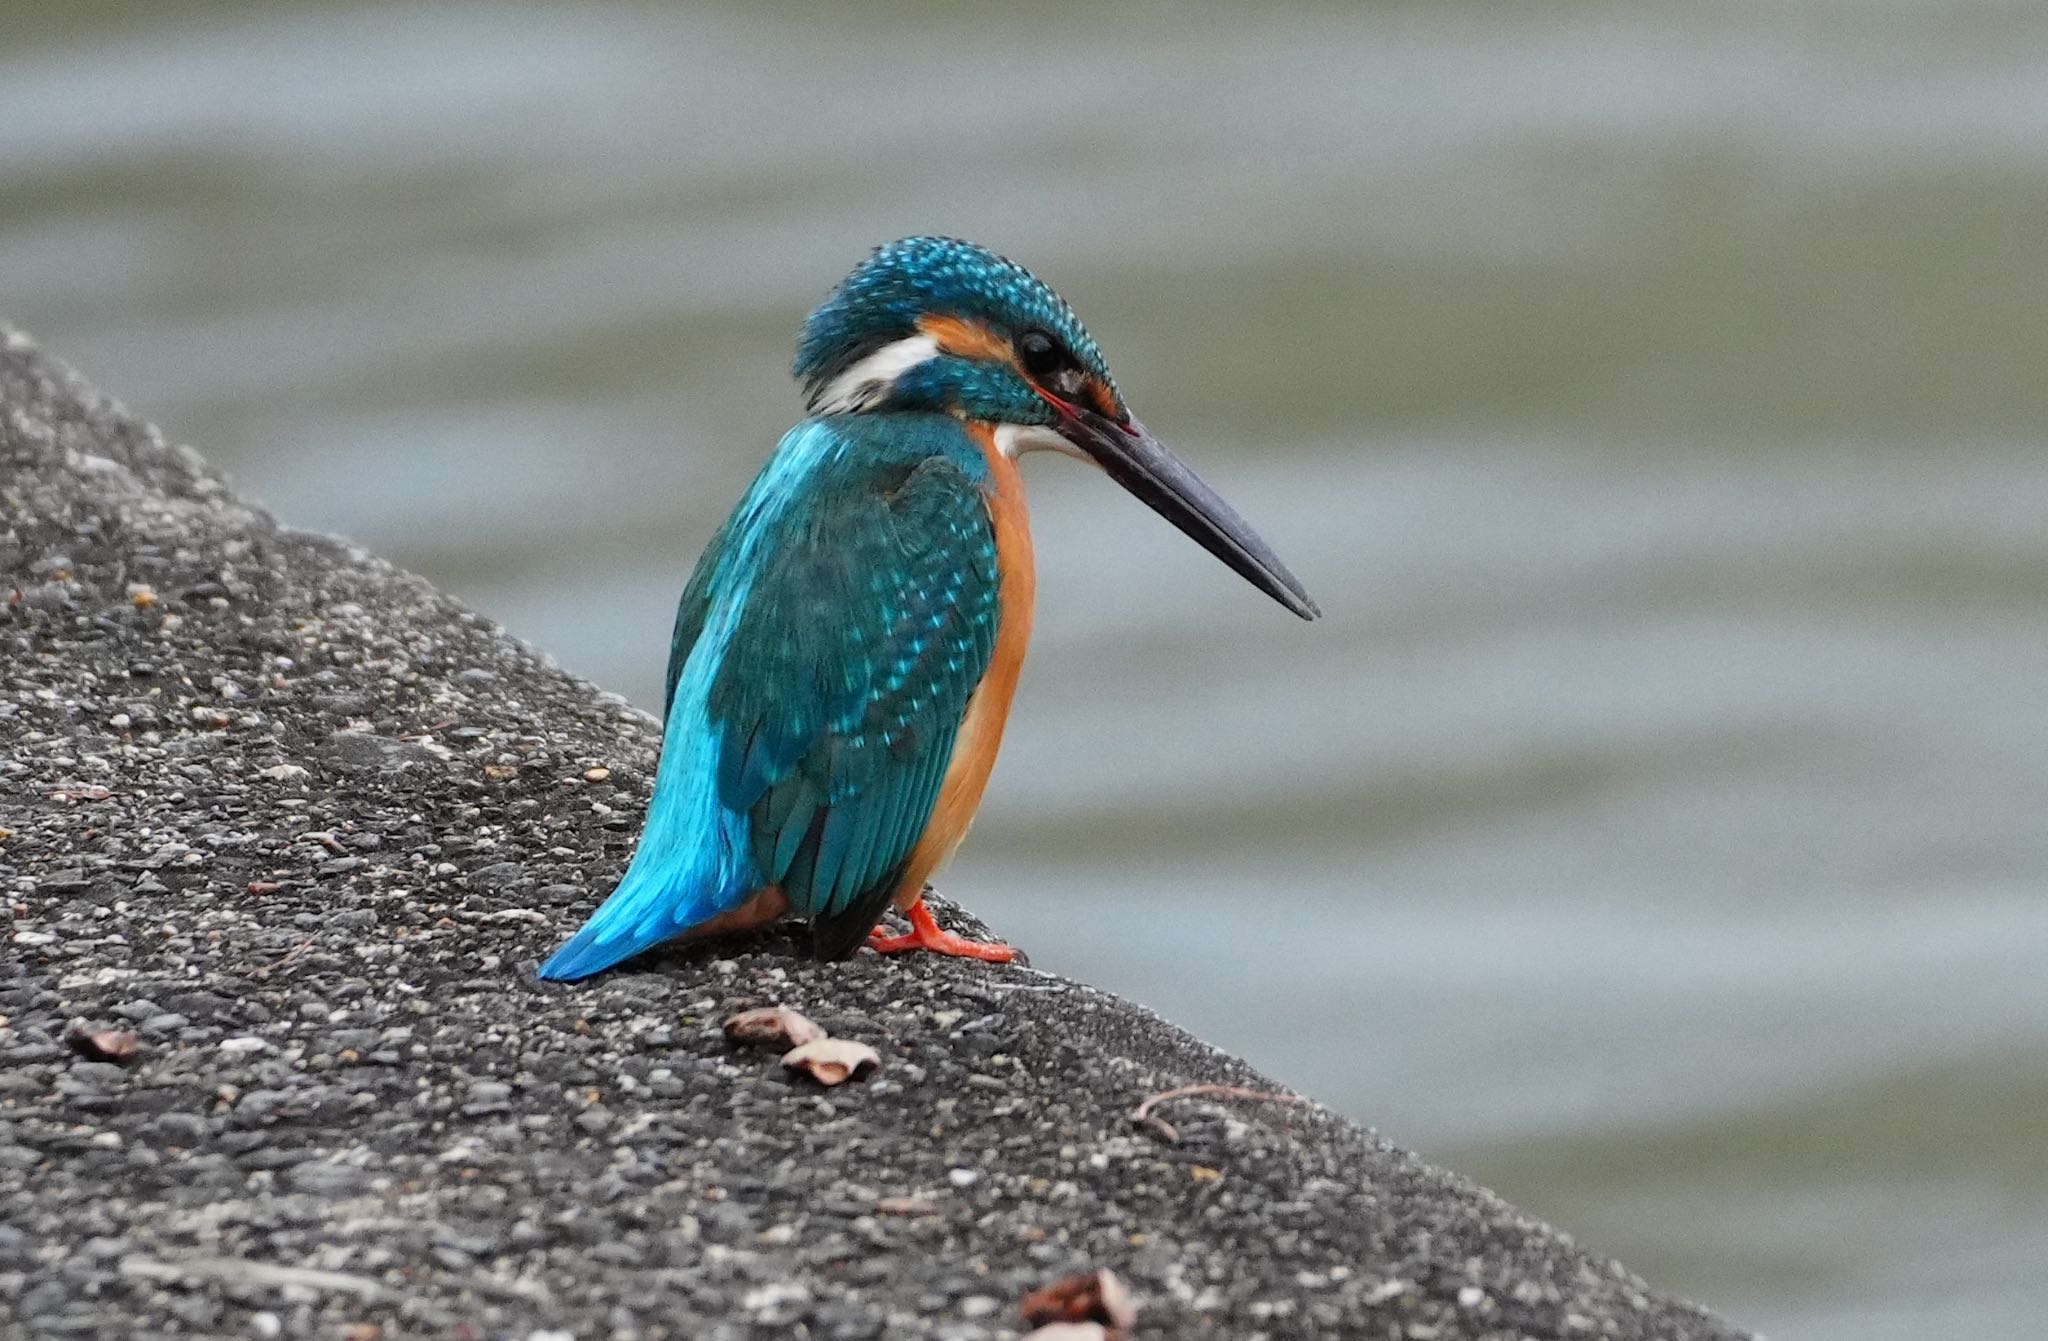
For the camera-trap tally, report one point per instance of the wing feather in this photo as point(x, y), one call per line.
point(839, 699)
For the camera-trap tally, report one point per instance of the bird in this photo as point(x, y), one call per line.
point(846, 648)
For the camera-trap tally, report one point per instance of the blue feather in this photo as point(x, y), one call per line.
point(824, 652)
point(694, 860)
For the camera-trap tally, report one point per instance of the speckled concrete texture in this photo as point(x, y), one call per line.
point(302, 826)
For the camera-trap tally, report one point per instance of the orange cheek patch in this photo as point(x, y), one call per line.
point(1098, 395)
point(966, 339)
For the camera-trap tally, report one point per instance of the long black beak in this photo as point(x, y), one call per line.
point(1132, 457)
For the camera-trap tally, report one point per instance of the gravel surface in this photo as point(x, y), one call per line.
point(283, 835)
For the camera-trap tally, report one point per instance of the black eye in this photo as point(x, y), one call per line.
point(1040, 354)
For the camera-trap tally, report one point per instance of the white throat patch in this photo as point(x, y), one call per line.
point(868, 380)
point(1013, 440)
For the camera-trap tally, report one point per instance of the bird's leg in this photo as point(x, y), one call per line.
point(926, 934)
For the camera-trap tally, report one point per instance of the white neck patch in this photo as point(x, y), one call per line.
point(1013, 440)
point(868, 380)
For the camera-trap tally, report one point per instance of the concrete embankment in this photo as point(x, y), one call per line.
point(283, 834)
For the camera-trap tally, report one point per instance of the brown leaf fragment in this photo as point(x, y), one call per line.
point(104, 1045)
point(776, 1027)
point(1091, 1297)
point(832, 1061)
point(905, 1206)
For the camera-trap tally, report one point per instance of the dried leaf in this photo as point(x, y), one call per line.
point(105, 1045)
point(776, 1027)
point(1093, 1296)
point(832, 1061)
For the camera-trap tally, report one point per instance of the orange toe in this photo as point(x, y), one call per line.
point(926, 934)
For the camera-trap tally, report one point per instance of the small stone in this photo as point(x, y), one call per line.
point(487, 1097)
point(180, 1128)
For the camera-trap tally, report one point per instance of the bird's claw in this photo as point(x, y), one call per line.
point(926, 934)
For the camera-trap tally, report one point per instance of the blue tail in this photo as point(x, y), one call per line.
point(695, 856)
point(693, 862)
point(654, 902)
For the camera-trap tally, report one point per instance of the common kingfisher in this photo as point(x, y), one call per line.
point(845, 651)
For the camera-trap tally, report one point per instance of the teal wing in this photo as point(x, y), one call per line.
point(864, 631)
point(691, 611)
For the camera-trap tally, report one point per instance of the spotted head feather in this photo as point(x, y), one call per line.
point(917, 285)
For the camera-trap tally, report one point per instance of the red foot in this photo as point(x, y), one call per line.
point(925, 934)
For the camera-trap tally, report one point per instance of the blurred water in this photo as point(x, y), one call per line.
point(1651, 394)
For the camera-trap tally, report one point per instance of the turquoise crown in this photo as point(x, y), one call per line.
point(880, 302)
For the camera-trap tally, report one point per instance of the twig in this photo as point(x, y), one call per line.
point(1142, 1115)
point(267, 969)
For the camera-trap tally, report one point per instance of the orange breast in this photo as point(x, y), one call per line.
point(981, 729)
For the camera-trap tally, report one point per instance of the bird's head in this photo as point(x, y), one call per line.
point(939, 325)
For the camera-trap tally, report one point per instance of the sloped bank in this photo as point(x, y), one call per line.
point(303, 827)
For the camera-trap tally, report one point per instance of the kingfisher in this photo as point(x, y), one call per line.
point(846, 649)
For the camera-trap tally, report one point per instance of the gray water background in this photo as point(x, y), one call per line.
point(1652, 394)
